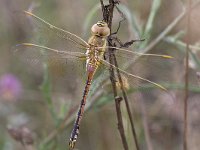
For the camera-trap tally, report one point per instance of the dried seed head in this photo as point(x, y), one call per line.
point(125, 83)
point(21, 134)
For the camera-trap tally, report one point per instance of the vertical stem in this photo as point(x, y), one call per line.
point(117, 104)
point(120, 121)
point(107, 16)
point(112, 59)
point(127, 104)
point(185, 142)
point(150, 23)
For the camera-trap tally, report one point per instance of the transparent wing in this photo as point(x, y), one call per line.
point(58, 61)
point(42, 32)
point(148, 95)
point(152, 66)
point(145, 72)
point(133, 76)
point(66, 70)
point(61, 51)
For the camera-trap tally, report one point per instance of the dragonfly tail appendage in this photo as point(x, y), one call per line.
point(75, 131)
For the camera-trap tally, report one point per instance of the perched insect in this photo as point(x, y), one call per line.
point(92, 52)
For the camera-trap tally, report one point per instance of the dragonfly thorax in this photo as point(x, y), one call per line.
point(95, 52)
point(97, 43)
point(93, 56)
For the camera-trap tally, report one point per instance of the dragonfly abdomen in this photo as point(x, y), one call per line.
point(75, 131)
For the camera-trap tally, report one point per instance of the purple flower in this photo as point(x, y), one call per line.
point(10, 87)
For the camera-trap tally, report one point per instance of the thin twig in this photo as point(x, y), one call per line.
point(107, 16)
point(127, 104)
point(123, 19)
point(118, 109)
point(120, 121)
point(185, 142)
point(126, 44)
point(173, 40)
point(112, 60)
point(150, 22)
point(102, 7)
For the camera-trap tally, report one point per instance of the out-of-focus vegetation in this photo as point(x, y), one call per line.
point(34, 103)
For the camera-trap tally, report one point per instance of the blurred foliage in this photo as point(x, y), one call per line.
point(32, 98)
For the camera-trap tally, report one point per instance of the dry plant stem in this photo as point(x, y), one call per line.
point(112, 60)
point(119, 118)
point(102, 7)
point(127, 104)
point(107, 16)
point(185, 142)
point(118, 108)
point(66, 122)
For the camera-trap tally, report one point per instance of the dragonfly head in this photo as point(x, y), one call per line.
point(100, 29)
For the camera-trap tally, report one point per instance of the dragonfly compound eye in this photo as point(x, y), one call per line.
point(100, 29)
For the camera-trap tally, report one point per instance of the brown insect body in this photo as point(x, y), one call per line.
point(94, 53)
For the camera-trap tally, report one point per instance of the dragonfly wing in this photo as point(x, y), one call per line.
point(144, 97)
point(62, 73)
point(153, 66)
point(138, 82)
point(44, 33)
point(58, 61)
point(66, 69)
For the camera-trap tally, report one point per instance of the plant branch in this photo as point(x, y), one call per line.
point(107, 16)
point(127, 104)
point(188, 32)
point(120, 121)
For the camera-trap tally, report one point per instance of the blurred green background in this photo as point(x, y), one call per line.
point(36, 103)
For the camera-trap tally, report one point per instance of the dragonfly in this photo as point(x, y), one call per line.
point(92, 53)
